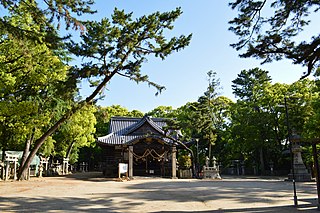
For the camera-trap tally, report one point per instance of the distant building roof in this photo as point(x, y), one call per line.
point(126, 130)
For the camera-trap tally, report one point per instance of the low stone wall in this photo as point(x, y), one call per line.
point(185, 173)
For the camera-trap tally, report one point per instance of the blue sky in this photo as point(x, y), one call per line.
point(184, 73)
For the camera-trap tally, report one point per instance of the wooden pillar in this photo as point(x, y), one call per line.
point(130, 161)
point(174, 162)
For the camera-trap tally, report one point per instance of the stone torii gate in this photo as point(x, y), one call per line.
point(9, 159)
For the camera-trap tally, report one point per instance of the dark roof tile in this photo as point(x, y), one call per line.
point(120, 127)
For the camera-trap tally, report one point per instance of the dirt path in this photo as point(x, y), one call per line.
point(89, 192)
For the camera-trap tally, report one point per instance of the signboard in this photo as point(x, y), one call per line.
point(123, 168)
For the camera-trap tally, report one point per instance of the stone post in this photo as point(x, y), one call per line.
point(67, 166)
point(174, 163)
point(15, 170)
point(7, 170)
point(40, 170)
point(46, 164)
point(63, 167)
point(130, 161)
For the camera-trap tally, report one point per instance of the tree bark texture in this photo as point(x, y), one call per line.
point(65, 117)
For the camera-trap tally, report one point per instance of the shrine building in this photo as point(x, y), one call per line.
point(141, 143)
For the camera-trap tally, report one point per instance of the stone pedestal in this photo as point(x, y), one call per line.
point(211, 172)
point(301, 173)
point(83, 167)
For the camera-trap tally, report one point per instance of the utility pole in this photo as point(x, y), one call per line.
point(295, 199)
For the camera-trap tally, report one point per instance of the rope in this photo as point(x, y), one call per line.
point(149, 152)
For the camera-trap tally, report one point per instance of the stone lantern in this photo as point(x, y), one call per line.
point(300, 173)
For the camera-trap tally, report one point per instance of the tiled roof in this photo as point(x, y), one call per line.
point(121, 130)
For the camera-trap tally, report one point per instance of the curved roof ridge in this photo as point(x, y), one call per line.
point(143, 121)
point(155, 125)
point(106, 136)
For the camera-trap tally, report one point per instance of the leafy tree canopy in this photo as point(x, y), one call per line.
point(104, 114)
point(118, 46)
point(44, 13)
point(248, 81)
point(273, 36)
point(32, 83)
point(76, 133)
point(162, 112)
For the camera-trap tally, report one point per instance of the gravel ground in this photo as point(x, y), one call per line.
point(90, 192)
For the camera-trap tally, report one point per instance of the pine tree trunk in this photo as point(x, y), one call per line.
point(70, 149)
point(25, 153)
point(23, 160)
point(65, 117)
point(4, 149)
point(3, 168)
point(42, 139)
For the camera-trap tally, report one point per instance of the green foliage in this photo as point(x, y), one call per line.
point(250, 128)
point(273, 37)
point(206, 120)
point(122, 45)
point(104, 114)
point(114, 47)
point(43, 14)
point(184, 161)
point(48, 147)
point(207, 111)
point(162, 112)
point(76, 133)
point(32, 80)
point(258, 127)
point(247, 83)
point(312, 124)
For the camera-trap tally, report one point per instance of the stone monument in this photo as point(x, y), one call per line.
point(211, 172)
point(301, 173)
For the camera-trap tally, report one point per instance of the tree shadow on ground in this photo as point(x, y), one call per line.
point(251, 193)
point(66, 204)
point(236, 189)
point(265, 193)
point(272, 209)
point(99, 177)
point(242, 191)
point(90, 176)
